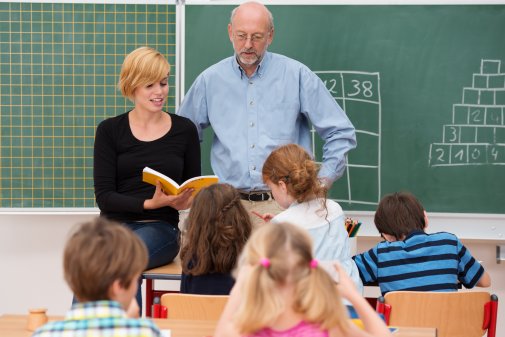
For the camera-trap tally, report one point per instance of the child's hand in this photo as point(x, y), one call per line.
point(374, 326)
point(266, 216)
point(345, 285)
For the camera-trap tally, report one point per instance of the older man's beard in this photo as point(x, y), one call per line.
point(248, 61)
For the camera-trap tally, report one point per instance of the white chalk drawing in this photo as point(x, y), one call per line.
point(358, 93)
point(476, 135)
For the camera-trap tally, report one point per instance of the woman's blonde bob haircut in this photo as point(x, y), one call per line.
point(288, 249)
point(141, 67)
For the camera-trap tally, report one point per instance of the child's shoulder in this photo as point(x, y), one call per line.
point(105, 323)
point(419, 235)
point(131, 325)
point(441, 236)
point(141, 322)
point(322, 207)
point(417, 238)
point(333, 206)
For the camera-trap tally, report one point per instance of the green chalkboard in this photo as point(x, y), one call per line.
point(59, 66)
point(423, 84)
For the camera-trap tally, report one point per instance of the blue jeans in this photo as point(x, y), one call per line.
point(162, 241)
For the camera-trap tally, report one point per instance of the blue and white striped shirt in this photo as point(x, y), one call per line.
point(98, 319)
point(421, 262)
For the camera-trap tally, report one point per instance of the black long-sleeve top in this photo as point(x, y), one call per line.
point(119, 159)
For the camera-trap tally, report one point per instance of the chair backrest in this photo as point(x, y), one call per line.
point(454, 314)
point(189, 306)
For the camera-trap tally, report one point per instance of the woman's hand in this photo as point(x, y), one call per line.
point(160, 199)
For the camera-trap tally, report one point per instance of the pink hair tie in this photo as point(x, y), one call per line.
point(313, 263)
point(265, 262)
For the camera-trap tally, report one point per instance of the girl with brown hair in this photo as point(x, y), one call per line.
point(217, 229)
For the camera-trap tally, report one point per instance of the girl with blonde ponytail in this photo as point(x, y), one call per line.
point(282, 290)
point(292, 176)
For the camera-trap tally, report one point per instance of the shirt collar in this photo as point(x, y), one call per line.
point(260, 70)
point(95, 309)
point(414, 233)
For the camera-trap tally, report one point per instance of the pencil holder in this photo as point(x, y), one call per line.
point(36, 318)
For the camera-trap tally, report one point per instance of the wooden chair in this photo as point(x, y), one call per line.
point(171, 271)
point(454, 314)
point(197, 307)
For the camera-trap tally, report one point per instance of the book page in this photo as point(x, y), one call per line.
point(171, 187)
point(198, 183)
point(151, 176)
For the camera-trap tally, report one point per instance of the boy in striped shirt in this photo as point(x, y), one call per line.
point(411, 259)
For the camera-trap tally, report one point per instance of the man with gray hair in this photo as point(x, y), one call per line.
point(256, 101)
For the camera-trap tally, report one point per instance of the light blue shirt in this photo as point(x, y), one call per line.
point(252, 116)
point(327, 230)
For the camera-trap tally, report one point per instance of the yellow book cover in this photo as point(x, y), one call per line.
point(171, 187)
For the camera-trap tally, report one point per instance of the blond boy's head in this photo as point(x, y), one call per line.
point(100, 257)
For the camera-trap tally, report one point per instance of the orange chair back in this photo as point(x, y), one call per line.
point(454, 314)
point(189, 306)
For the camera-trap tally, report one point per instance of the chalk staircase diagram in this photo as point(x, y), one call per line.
point(476, 135)
point(358, 93)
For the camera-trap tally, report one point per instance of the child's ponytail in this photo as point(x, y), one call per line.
point(260, 305)
point(280, 255)
point(319, 301)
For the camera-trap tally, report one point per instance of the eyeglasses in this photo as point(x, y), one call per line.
point(241, 37)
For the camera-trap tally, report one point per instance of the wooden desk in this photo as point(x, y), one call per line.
point(186, 328)
point(15, 326)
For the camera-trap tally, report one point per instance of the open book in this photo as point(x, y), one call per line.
point(171, 187)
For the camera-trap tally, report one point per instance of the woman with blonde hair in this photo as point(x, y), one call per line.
point(281, 290)
point(144, 136)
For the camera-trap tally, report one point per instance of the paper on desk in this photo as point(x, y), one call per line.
point(166, 333)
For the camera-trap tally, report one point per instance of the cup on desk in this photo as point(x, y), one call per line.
point(36, 318)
